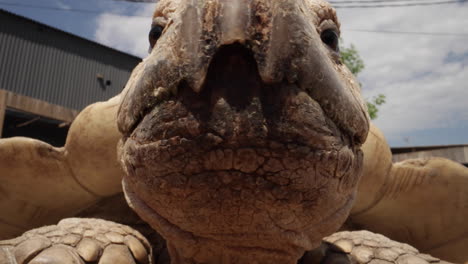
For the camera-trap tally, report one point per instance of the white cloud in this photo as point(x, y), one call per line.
point(126, 33)
point(425, 78)
point(60, 4)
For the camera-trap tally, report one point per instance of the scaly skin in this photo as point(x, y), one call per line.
point(237, 153)
point(87, 241)
point(365, 247)
point(77, 240)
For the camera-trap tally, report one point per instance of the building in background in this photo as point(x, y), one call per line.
point(47, 76)
point(458, 153)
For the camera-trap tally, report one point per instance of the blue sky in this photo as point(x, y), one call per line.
point(425, 77)
point(79, 23)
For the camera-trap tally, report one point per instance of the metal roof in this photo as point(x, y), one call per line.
point(49, 64)
point(91, 42)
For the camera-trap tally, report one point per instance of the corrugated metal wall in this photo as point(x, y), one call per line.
point(57, 67)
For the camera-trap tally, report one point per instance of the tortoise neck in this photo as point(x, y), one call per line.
point(211, 254)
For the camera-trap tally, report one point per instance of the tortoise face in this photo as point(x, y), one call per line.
point(242, 129)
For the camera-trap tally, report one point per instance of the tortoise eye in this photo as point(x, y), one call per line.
point(330, 37)
point(154, 35)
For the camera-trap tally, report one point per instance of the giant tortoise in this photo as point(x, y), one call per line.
point(241, 138)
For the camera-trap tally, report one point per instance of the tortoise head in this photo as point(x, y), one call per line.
point(242, 130)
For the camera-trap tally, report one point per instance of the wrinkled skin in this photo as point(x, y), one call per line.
point(245, 133)
point(241, 142)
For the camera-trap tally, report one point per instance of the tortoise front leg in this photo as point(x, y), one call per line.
point(40, 184)
point(81, 241)
point(420, 202)
point(365, 247)
point(37, 186)
point(78, 241)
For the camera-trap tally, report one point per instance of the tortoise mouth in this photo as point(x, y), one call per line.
point(231, 87)
point(235, 107)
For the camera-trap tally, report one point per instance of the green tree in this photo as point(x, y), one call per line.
point(372, 105)
point(351, 58)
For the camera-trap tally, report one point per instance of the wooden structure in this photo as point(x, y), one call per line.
point(9, 100)
point(458, 153)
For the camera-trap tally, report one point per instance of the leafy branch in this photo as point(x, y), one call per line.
point(351, 58)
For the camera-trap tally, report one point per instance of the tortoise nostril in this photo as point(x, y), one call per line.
point(233, 75)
